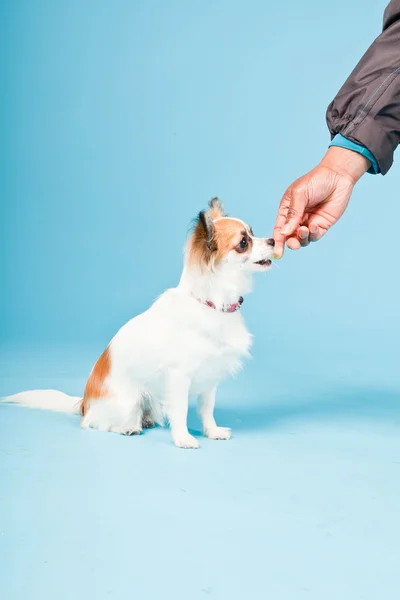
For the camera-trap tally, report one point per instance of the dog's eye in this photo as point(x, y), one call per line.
point(243, 243)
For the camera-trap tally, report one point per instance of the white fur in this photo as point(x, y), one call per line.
point(46, 400)
point(230, 219)
point(177, 348)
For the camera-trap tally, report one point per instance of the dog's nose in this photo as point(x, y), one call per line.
point(271, 242)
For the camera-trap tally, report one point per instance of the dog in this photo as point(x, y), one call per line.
point(190, 339)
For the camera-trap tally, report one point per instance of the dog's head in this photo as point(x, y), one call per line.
point(218, 240)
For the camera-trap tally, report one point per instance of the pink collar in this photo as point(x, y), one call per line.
point(227, 308)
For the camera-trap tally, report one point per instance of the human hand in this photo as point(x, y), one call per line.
point(313, 203)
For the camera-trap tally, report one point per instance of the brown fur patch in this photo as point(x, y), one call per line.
point(95, 386)
point(228, 234)
point(214, 240)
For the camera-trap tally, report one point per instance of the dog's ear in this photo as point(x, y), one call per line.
point(203, 243)
point(207, 230)
point(216, 208)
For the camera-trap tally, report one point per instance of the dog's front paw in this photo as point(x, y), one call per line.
point(185, 440)
point(218, 433)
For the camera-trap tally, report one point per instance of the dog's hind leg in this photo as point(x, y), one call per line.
point(120, 411)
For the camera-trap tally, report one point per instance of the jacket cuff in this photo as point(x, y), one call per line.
point(342, 142)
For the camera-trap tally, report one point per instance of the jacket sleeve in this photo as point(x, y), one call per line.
point(367, 108)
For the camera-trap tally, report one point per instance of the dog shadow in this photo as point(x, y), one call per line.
point(357, 404)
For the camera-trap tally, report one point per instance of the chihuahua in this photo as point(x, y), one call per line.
point(191, 338)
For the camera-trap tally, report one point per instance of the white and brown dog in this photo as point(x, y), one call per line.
point(184, 344)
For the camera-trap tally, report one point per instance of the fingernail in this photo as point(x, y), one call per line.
point(303, 235)
point(313, 228)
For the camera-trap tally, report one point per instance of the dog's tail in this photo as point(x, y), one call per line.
point(46, 400)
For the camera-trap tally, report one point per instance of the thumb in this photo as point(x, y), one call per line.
point(297, 200)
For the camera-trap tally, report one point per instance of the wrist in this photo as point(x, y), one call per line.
point(346, 163)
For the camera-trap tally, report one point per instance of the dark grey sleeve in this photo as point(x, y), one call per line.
point(367, 108)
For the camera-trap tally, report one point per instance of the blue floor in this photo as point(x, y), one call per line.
point(303, 502)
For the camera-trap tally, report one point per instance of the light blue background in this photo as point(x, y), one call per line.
point(119, 121)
